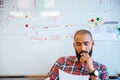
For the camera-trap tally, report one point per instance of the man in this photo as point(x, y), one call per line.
point(82, 63)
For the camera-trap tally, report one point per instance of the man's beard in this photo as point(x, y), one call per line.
point(83, 51)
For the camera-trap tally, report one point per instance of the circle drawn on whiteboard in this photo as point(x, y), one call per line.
point(98, 5)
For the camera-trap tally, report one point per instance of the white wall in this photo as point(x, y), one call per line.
point(18, 58)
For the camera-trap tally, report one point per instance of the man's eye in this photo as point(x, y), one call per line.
point(77, 44)
point(86, 44)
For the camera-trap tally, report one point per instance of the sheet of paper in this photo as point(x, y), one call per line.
point(47, 78)
point(66, 76)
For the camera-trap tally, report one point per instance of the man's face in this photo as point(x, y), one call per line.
point(83, 44)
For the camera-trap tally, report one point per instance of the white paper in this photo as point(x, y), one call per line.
point(47, 78)
point(66, 76)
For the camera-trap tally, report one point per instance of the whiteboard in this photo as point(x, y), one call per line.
point(35, 34)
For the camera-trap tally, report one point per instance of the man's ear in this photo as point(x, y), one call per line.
point(74, 44)
point(93, 42)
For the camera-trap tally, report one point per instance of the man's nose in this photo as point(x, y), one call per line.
point(83, 47)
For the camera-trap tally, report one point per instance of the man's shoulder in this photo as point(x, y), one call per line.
point(98, 65)
point(64, 58)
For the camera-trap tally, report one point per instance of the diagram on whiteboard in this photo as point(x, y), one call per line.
point(53, 21)
point(99, 5)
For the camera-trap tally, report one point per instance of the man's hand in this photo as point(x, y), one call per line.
point(87, 60)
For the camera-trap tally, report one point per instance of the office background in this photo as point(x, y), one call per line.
point(34, 33)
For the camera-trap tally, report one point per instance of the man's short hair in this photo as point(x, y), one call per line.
point(83, 32)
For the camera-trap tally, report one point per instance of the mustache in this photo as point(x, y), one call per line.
point(83, 51)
